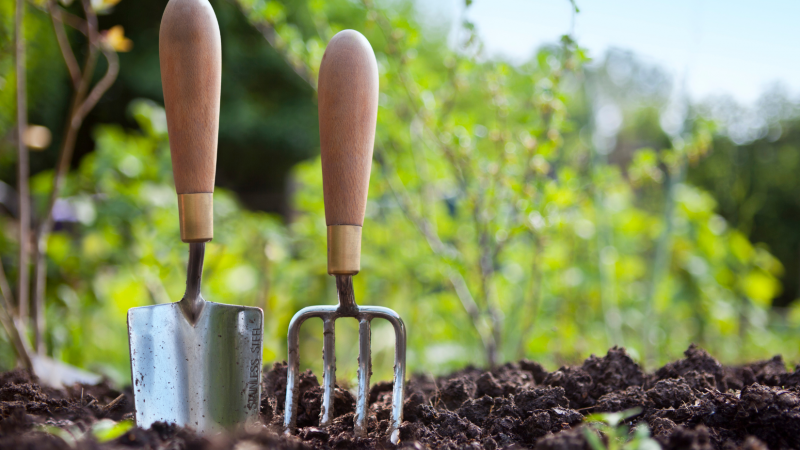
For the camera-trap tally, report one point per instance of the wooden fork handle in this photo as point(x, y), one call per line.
point(348, 112)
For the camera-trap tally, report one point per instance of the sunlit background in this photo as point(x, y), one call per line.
point(549, 179)
point(721, 48)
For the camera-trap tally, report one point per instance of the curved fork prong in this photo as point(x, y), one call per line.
point(293, 369)
point(399, 387)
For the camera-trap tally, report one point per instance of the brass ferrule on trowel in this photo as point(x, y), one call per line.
point(196, 212)
point(344, 249)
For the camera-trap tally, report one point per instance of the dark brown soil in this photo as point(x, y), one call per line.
point(694, 403)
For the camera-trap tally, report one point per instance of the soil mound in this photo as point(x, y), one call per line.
point(692, 403)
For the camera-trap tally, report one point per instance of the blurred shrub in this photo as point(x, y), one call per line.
point(752, 174)
point(517, 237)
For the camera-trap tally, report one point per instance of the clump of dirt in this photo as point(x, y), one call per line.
point(25, 406)
point(693, 403)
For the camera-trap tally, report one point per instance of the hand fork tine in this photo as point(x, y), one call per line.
point(364, 314)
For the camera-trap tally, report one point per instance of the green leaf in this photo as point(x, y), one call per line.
point(594, 439)
point(66, 435)
point(107, 430)
point(760, 287)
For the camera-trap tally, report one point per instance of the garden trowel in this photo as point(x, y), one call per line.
point(194, 363)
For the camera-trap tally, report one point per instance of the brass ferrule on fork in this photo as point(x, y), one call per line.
point(344, 249)
point(196, 213)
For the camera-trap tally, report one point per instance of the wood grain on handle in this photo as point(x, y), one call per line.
point(348, 112)
point(190, 52)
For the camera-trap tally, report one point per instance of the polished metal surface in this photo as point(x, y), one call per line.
point(364, 372)
point(364, 314)
point(196, 363)
point(328, 370)
point(196, 216)
point(344, 249)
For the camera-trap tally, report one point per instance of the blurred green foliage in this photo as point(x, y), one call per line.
point(267, 112)
point(498, 224)
point(615, 435)
point(755, 182)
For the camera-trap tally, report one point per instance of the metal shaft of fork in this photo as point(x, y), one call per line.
point(347, 304)
point(347, 307)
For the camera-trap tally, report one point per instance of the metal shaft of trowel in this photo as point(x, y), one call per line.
point(192, 302)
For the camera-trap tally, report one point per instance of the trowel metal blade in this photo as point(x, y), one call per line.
point(206, 376)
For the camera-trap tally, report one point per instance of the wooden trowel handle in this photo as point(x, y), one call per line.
point(190, 53)
point(348, 111)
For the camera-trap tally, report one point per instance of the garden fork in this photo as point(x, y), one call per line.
point(348, 109)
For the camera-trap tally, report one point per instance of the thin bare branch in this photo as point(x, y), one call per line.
point(462, 292)
point(154, 285)
point(102, 86)
point(463, 173)
point(74, 21)
point(82, 104)
point(15, 337)
point(46, 224)
point(23, 170)
point(401, 196)
point(91, 21)
point(273, 38)
point(5, 290)
point(66, 51)
point(10, 326)
point(529, 317)
point(443, 251)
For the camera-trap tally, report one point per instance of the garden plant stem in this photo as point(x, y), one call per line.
point(606, 268)
point(661, 263)
point(11, 325)
point(24, 209)
point(83, 101)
